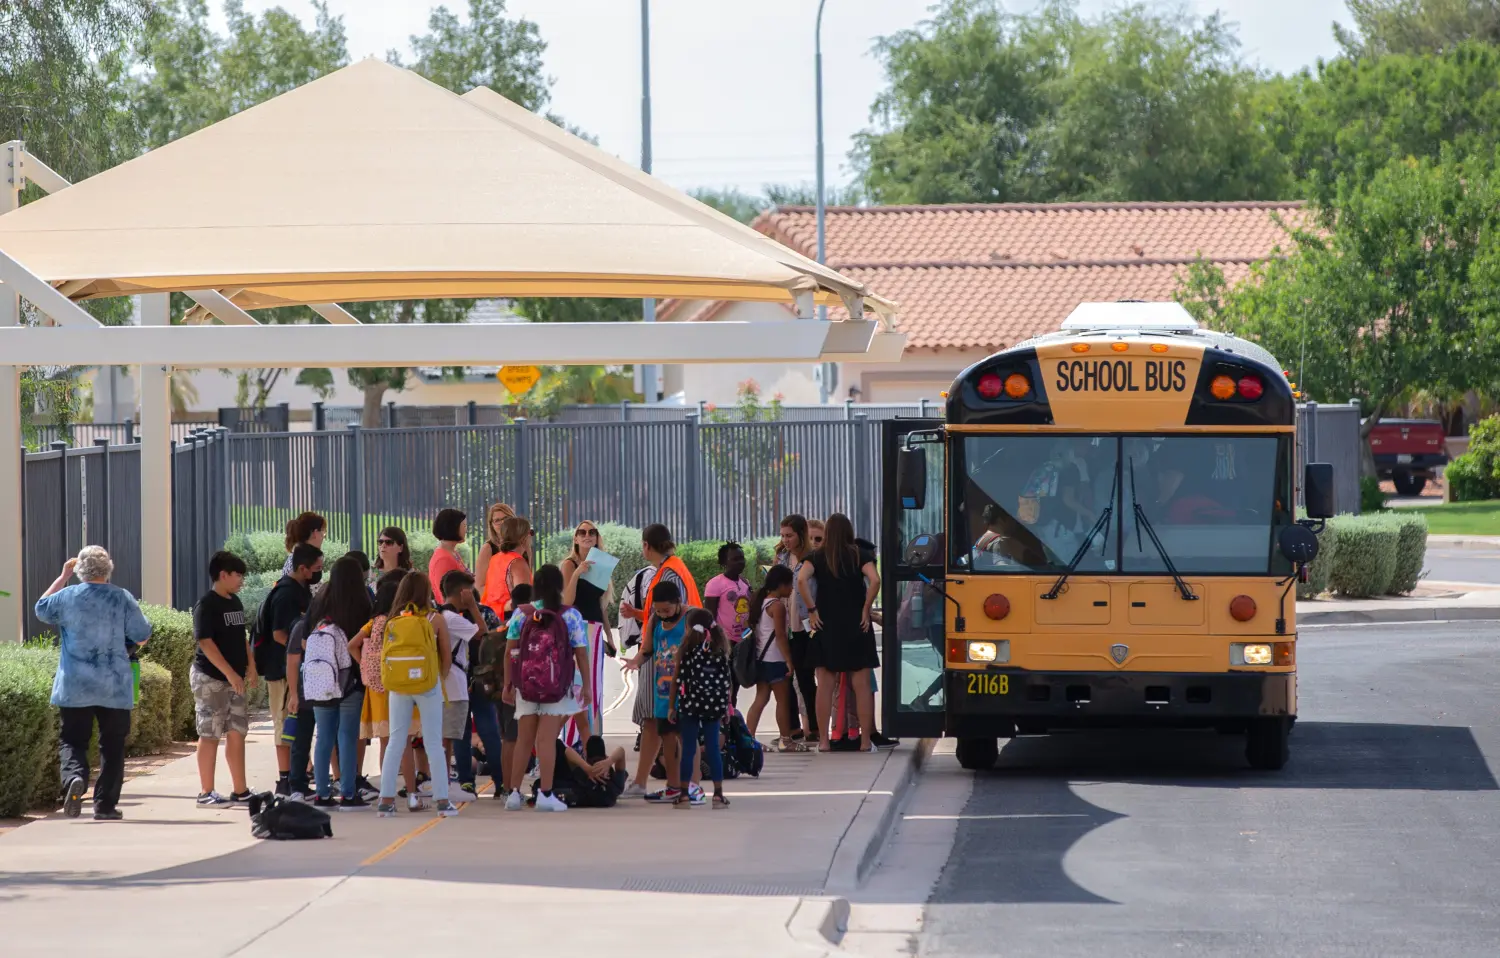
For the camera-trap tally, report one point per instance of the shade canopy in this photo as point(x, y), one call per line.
point(373, 183)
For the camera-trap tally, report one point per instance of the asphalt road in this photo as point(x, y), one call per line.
point(1381, 837)
point(1463, 565)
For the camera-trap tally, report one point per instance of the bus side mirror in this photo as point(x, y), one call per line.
point(911, 478)
point(1317, 490)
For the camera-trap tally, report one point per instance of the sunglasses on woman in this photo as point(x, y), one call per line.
point(586, 532)
point(385, 542)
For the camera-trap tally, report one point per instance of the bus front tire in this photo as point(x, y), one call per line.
point(1266, 743)
point(978, 754)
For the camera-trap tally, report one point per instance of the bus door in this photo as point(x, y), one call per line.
point(911, 572)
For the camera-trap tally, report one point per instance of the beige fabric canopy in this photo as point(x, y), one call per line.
point(373, 183)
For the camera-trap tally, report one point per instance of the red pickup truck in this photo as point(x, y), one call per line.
point(1407, 451)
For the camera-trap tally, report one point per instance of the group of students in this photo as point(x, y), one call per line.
point(485, 660)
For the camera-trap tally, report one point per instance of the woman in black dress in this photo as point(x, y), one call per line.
point(843, 639)
point(589, 600)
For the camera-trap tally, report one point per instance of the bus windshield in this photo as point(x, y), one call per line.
point(1026, 503)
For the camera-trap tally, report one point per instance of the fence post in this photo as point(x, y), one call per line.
point(320, 421)
point(864, 521)
point(474, 415)
point(922, 407)
point(129, 431)
point(195, 513)
point(25, 608)
point(1310, 423)
point(104, 484)
point(523, 467)
point(390, 415)
point(356, 467)
point(226, 483)
point(694, 498)
point(176, 568)
point(61, 448)
point(848, 409)
point(624, 410)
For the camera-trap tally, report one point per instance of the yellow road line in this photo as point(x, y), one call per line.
point(396, 845)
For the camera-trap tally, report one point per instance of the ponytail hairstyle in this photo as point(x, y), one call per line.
point(513, 532)
point(777, 577)
point(703, 629)
point(547, 587)
point(300, 529)
point(415, 589)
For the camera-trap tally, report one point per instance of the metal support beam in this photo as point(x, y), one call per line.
point(41, 174)
point(222, 308)
point(12, 584)
point(156, 454)
point(335, 314)
point(43, 296)
point(427, 344)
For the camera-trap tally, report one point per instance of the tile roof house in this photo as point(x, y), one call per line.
point(973, 279)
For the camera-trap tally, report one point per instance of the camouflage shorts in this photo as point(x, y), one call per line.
point(220, 709)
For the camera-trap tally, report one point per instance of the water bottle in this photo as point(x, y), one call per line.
point(289, 730)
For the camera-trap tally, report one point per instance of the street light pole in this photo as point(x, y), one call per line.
point(823, 386)
point(649, 388)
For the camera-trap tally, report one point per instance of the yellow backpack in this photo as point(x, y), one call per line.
point(409, 661)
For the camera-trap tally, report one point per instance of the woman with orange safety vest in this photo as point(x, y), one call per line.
point(508, 568)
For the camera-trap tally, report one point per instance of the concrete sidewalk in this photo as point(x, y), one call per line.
point(1460, 601)
point(173, 879)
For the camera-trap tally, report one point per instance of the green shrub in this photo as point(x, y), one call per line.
point(1321, 567)
point(257, 586)
point(1371, 499)
point(28, 727)
point(1467, 481)
point(1365, 556)
point(1411, 551)
point(172, 646)
point(1476, 474)
point(151, 722)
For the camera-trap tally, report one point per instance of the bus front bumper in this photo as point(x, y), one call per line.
point(978, 701)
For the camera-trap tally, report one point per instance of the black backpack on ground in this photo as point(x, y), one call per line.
point(273, 816)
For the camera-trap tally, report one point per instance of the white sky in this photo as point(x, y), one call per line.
point(732, 80)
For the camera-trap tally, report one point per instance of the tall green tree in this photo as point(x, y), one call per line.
point(1402, 294)
point(1417, 26)
point(1139, 103)
point(1354, 116)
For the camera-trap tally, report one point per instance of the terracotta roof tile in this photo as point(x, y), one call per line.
point(1036, 233)
point(987, 276)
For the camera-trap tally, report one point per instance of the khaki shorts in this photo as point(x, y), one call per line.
point(455, 719)
point(220, 709)
point(276, 692)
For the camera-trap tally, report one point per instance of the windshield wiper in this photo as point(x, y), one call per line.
point(1101, 525)
point(1141, 522)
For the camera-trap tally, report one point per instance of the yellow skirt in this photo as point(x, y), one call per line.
point(375, 719)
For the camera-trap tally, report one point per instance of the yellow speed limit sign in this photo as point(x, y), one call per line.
point(518, 379)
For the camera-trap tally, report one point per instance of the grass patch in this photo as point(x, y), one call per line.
point(1463, 518)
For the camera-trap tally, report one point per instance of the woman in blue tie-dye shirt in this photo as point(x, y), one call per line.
point(98, 625)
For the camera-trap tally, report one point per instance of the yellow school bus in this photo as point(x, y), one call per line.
point(1102, 533)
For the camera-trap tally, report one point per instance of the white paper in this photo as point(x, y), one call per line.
point(602, 569)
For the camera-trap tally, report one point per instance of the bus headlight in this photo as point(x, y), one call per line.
point(989, 651)
point(1262, 653)
point(1256, 654)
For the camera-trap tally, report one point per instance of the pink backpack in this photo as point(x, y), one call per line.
point(546, 657)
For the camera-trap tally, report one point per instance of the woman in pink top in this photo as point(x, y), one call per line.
point(449, 528)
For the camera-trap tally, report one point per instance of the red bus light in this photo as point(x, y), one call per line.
point(990, 385)
point(1251, 387)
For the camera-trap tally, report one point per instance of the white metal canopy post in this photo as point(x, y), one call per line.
point(12, 584)
point(156, 463)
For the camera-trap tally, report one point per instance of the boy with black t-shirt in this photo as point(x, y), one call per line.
point(222, 672)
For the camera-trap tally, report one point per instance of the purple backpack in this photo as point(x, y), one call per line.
point(546, 657)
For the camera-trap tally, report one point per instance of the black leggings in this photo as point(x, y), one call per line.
point(807, 678)
point(73, 750)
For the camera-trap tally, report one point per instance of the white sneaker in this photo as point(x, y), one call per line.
point(634, 791)
point(514, 802)
point(414, 803)
point(459, 797)
point(550, 803)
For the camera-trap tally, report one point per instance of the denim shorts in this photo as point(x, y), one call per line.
point(770, 673)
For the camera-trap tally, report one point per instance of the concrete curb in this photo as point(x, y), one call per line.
point(862, 841)
point(1446, 613)
point(819, 923)
point(1464, 542)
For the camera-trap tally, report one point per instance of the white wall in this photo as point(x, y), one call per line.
point(919, 375)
